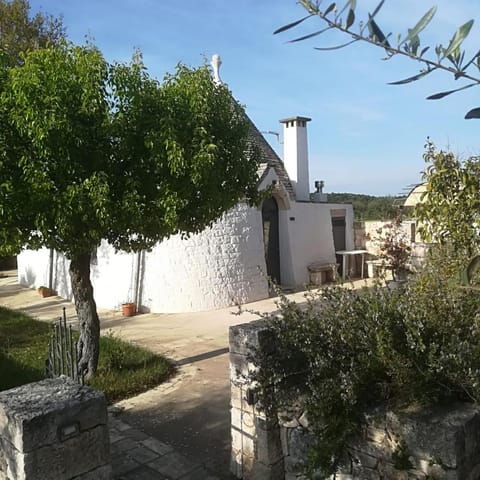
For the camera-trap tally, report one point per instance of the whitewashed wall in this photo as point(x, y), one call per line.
point(219, 267)
point(306, 236)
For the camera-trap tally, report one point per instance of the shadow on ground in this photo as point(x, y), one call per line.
point(193, 418)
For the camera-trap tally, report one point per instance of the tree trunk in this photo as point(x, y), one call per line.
point(88, 343)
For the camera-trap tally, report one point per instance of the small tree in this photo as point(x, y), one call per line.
point(450, 58)
point(449, 212)
point(20, 32)
point(92, 151)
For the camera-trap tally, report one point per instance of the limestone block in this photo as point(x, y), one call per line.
point(53, 430)
point(247, 335)
point(238, 399)
point(268, 446)
point(242, 443)
point(31, 415)
point(240, 368)
point(264, 472)
point(245, 421)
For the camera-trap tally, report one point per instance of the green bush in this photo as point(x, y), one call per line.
point(344, 352)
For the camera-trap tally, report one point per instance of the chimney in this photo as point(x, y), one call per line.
point(295, 154)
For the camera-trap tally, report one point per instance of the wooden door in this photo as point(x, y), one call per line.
point(271, 238)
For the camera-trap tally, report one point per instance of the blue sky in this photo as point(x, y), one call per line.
point(365, 136)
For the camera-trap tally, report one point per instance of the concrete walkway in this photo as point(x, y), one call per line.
point(180, 429)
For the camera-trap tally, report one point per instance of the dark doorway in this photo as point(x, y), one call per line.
point(271, 238)
point(338, 228)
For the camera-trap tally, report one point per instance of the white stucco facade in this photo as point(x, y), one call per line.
point(220, 266)
point(225, 264)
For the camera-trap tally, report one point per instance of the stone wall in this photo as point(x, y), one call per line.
point(54, 430)
point(218, 267)
point(366, 231)
point(418, 444)
point(256, 445)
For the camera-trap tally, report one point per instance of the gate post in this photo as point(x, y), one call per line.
point(256, 451)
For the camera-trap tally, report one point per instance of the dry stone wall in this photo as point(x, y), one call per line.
point(441, 443)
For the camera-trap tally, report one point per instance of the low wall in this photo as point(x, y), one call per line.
point(441, 443)
point(54, 430)
point(365, 231)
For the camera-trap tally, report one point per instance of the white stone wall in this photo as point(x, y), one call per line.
point(306, 236)
point(220, 266)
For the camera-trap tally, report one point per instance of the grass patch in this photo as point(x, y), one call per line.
point(123, 370)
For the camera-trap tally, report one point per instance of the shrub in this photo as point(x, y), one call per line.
point(343, 352)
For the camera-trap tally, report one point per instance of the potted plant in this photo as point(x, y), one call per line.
point(394, 249)
point(45, 291)
point(129, 309)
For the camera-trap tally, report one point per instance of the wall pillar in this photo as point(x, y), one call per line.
point(256, 444)
point(54, 429)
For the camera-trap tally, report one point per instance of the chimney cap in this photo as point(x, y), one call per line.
point(293, 119)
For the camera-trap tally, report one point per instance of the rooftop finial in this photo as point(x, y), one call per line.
point(216, 62)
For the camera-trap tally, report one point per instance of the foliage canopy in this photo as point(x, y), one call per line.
point(344, 353)
point(20, 32)
point(91, 150)
point(449, 209)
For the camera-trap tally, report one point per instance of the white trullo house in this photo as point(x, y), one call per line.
point(229, 262)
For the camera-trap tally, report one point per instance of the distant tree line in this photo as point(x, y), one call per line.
point(369, 207)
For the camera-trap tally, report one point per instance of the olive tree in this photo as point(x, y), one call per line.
point(91, 150)
point(449, 58)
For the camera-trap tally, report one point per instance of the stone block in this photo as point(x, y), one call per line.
point(240, 367)
point(31, 415)
point(300, 441)
point(53, 430)
point(244, 421)
point(244, 337)
point(268, 446)
point(265, 472)
point(243, 443)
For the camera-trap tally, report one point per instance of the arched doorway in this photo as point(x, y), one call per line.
point(271, 238)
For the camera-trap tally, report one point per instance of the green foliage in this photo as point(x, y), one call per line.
point(21, 32)
point(448, 58)
point(92, 151)
point(449, 210)
point(368, 207)
point(124, 369)
point(344, 352)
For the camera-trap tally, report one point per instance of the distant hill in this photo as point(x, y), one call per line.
point(368, 207)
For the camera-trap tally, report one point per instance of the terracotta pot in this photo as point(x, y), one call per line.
point(129, 309)
point(45, 292)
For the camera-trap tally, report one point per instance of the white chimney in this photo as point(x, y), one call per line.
point(295, 154)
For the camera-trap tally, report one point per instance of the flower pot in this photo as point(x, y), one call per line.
point(45, 292)
point(129, 309)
